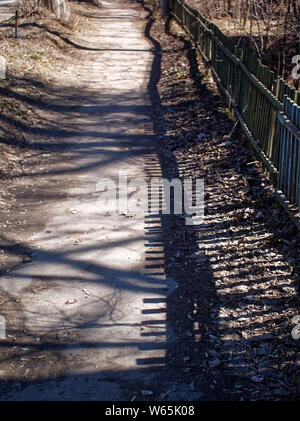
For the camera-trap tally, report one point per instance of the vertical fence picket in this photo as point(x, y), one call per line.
point(267, 107)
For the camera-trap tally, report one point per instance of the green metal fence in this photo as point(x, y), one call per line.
point(251, 88)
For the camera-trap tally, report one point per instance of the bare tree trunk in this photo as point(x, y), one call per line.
point(59, 8)
point(98, 2)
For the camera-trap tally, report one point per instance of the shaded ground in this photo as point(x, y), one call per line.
point(95, 312)
point(6, 12)
point(38, 64)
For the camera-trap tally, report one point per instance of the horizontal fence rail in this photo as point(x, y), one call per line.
point(262, 102)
